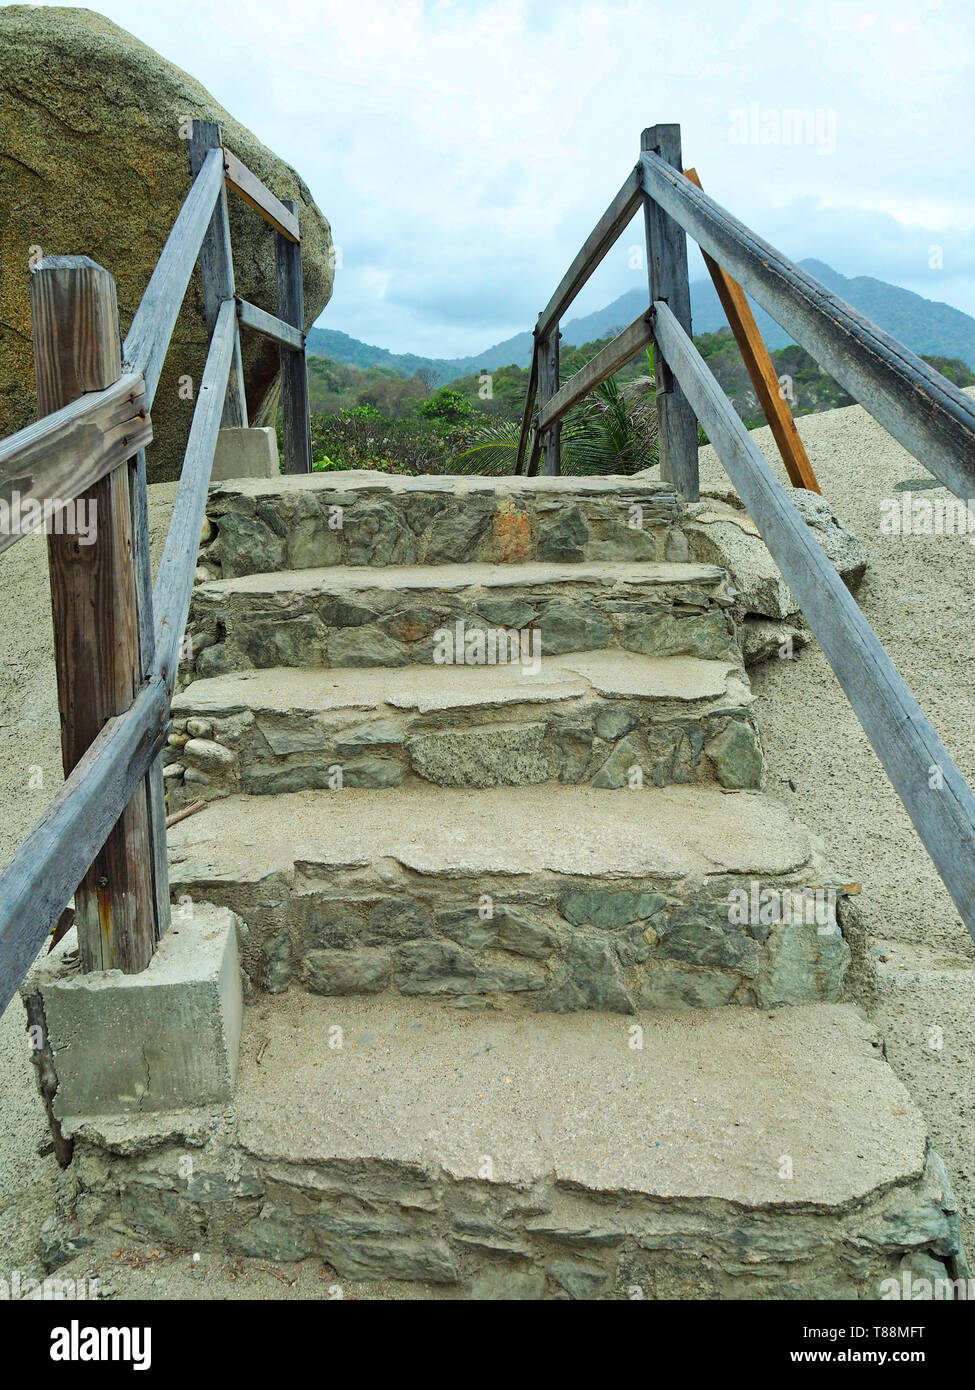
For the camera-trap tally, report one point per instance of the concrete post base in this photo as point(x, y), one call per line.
point(247, 453)
point(165, 1039)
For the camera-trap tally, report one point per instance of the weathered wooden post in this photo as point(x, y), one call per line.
point(217, 269)
point(94, 607)
point(154, 786)
point(667, 271)
point(548, 385)
point(294, 372)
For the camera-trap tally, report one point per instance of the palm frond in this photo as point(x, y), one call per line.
point(494, 452)
point(614, 430)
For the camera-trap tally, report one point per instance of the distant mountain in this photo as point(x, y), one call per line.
point(328, 342)
point(926, 326)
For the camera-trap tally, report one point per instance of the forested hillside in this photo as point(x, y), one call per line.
point(378, 412)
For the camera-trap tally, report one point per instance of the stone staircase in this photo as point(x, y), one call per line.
point(493, 913)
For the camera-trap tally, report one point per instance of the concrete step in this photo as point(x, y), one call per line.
point(473, 614)
point(370, 518)
point(726, 1155)
point(546, 897)
point(585, 718)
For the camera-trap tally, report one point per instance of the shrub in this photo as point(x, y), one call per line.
point(363, 438)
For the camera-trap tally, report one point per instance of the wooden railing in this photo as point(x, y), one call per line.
point(926, 413)
point(118, 639)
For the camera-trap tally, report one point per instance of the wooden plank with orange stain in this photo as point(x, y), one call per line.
point(761, 369)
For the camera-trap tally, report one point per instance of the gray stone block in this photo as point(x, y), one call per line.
point(247, 453)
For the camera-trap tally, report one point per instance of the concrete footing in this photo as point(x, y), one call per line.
point(165, 1039)
point(248, 453)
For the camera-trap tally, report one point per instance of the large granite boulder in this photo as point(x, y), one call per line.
point(92, 161)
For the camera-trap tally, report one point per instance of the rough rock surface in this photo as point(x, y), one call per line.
point(720, 532)
point(580, 719)
point(494, 898)
point(838, 541)
point(92, 161)
point(397, 616)
point(361, 517)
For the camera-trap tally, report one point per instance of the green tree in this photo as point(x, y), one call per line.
point(447, 406)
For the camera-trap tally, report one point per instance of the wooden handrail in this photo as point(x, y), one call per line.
point(65, 453)
point(295, 405)
point(620, 350)
point(677, 437)
point(529, 408)
point(549, 440)
point(926, 413)
point(155, 790)
point(614, 220)
point(74, 317)
point(534, 455)
point(271, 327)
point(174, 581)
point(761, 369)
point(41, 877)
point(148, 338)
point(78, 446)
point(902, 736)
point(217, 269)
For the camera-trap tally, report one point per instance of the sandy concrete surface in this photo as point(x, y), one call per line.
point(427, 688)
point(365, 480)
point(342, 579)
point(423, 1086)
point(670, 832)
point(918, 594)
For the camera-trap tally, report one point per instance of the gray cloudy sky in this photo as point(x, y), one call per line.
point(463, 149)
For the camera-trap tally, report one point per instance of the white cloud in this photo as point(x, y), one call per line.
point(462, 151)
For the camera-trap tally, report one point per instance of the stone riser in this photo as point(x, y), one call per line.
point(581, 740)
point(729, 1154)
point(235, 626)
point(552, 942)
point(374, 1220)
point(263, 530)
